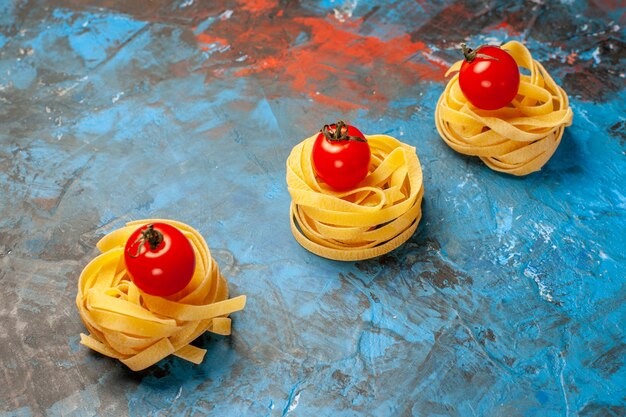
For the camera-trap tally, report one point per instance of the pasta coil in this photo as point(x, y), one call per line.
point(517, 139)
point(140, 329)
point(380, 214)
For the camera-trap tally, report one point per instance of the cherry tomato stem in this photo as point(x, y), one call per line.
point(153, 237)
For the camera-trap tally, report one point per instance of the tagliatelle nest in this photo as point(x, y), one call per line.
point(140, 329)
point(517, 139)
point(380, 214)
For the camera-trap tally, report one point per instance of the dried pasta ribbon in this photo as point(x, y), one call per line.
point(141, 329)
point(376, 217)
point(517, 139)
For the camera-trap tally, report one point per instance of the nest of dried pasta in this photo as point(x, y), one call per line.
point(377, 216)
point(140, 329)
point(517, 139)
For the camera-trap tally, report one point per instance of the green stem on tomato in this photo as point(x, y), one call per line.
point(471, 54)
point(340, 133)
point(150, 235)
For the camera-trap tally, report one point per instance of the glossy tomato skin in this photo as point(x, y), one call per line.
point(165, 269)
point(341, 164)
point(490, 84)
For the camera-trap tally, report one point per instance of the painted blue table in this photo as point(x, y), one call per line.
point(508, 301)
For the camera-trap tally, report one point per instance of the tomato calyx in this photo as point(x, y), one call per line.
point(150, 235)
point(339, 132)
point(471, 54)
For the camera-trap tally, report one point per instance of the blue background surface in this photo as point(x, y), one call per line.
point(509, 300)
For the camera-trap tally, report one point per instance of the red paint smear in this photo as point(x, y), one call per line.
point(334, 102)
point(262, 65)
point(335, 53)
point(258, 6)
point(334, 67)
point(348, 49)
point(203, 38)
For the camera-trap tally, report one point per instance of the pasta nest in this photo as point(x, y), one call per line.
point(517, 139)
point(377, 216)
point(140, 329)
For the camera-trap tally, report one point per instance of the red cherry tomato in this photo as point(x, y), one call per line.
point(159, 259)
point(489, 77)
point(341, 156)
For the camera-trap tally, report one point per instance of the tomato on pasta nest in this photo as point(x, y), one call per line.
point(139, 328)
point(518, 138)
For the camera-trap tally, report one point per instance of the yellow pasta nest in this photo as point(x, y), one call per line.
point(370, 220)
point(517, 139)
point(140, 329)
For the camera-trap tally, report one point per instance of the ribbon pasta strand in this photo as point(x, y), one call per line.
point(368, 221)
point(140, 329)
point(517, 139)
